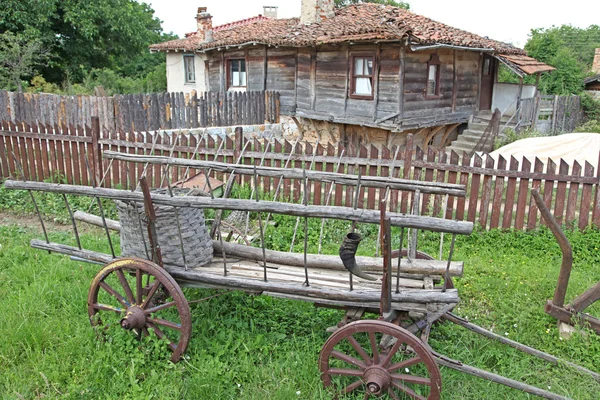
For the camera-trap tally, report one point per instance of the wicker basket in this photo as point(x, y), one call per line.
point(197, 243)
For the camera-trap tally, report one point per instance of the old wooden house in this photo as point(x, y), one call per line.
point(366, 72)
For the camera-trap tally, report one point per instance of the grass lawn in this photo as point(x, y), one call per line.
point(263, 348)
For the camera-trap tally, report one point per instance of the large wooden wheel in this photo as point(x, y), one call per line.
point(352, 361)
point(141, 297)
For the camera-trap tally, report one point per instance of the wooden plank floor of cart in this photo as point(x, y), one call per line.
point(326, 286)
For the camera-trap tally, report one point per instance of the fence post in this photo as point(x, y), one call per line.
point(96, 151)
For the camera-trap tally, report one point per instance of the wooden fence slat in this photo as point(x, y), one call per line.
point(452, 178)
point(3, 157)
point(340, 169)
point(407, 158)
point(586, 198)
point(374, 155)
point(416, 175)
point(464, 180)
point(317, 186)
point(572, 197)
point(497, 200)
point(510, 195)
point(76, 160)
point(596, 210)
point(440, 177)
point(348, 200)
point(522, 196)
point(363, 153)
point(536, 184)
point(549, 186)
point(37, 148)
point(474, 194)
point(385, 171)
point(561, 191)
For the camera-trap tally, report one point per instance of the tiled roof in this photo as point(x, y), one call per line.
point(524, 64)
point(592, 79)
point(360, 22)
point(234, 24)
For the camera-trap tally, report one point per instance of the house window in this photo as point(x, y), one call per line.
point(362, 77)
point(189, 68)
point(433, 76)
point(236, 70)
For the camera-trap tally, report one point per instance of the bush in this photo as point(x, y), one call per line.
point(592, 126)
point(513, 136)
point(591, 107)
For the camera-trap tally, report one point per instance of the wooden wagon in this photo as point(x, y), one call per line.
point(408, 289)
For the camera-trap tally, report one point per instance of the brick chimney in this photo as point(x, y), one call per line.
point(270, 11)
point(316, 11)
point(204, 20)
point(596, 64)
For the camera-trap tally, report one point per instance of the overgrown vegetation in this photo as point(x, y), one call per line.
point(73, 46)
point(510, 136)
point(569, 49)
point(253, 347)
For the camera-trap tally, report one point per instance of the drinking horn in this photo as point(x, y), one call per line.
point(348, 255)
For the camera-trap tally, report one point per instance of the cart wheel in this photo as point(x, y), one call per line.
point(140, 296)
point(352, 360)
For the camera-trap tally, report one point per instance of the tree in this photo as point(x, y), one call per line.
point(344, 3)
point(19, 58)
point(84, 35)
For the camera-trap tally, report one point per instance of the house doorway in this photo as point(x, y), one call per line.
point(488, 69)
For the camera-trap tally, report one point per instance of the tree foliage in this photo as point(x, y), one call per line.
point(19, 57)
point(84, 36)
point(344, 3)
point(569, 49)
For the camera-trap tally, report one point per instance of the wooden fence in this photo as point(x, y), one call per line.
point(498, 194)
point(142, 112)
point(551, 114)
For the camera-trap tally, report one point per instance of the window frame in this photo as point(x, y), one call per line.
point(191, 57)
point(353, 77)
point(229, 76)
point(433, 60)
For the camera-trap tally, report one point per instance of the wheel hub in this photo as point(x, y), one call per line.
point(134, 319)
point(378, 379)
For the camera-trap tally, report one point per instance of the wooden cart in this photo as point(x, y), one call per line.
point(389, 355)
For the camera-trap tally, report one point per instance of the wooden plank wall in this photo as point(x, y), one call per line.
point(142, 112)
point(498, 193)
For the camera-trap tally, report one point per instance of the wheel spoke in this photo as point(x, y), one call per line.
point(161, 334)
point(374, 347)
point(353, 386)
point(138, 286)
point(408, 391)
point(161, 307)
point(164, 322)
point(115, 294)
point(155, 286)
point(390, 354)
point(405, 364)
point(359, 350)
point(345, 372)
point(106, 307)
point(125, 285)
point(393, 394)
point(348, 359)
point(419, 380)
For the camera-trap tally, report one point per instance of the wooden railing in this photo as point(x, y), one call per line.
point(142, 112)
point(498, 194)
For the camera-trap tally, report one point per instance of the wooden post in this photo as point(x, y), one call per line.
point(519, 95)
point(96, 150)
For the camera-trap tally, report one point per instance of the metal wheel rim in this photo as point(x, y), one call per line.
point(139, 266)
point(404, 337)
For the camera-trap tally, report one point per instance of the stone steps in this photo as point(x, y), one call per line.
point(468, 139)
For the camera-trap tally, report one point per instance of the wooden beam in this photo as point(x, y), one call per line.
point(376, 81)
point(296, 210)
point(313, 78)
point(454, 82)
point(401, 82)
point(296, 173)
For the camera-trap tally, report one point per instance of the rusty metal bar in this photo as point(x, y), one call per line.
point(100, 208)
point(516, 345)
point(447, 273)
point(262, 233)
point(37, 210)
point(73, 223)
point(327, 199)
point(565, 247)
point(399, 260)
point(458, 366)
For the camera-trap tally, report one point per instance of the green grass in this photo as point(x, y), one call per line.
point(259, 347)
